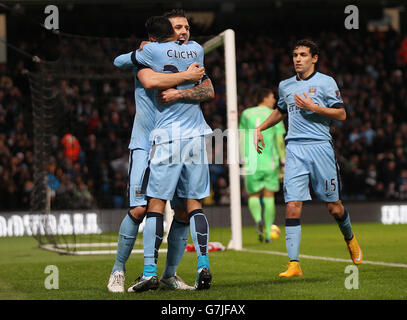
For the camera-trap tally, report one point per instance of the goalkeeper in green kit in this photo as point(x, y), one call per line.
point(262, 170)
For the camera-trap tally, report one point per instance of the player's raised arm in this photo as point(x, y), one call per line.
point(157, 80)
point(124, 61)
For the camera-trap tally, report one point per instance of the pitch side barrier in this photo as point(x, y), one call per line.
point(21, 223)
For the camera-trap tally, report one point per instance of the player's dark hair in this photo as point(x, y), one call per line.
point(313, 47)
point(262, 93)
point(174, 13)
point(159, 27)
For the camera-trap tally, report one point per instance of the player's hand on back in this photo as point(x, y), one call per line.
point(194, 72)
point(168, 96)
point(142, 44)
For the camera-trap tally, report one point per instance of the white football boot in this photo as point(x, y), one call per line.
point(175, 283)
point(116, 282)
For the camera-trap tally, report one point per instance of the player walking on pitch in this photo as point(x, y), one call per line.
point(265, 181)
point(312, 100)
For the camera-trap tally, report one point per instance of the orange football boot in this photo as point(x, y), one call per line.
point(293, 269)
point(356, 253)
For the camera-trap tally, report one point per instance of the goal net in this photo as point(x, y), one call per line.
point(83, 111)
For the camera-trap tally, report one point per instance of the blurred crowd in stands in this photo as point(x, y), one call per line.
point(89, 158)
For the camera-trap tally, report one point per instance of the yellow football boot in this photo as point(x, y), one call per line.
point(293, 269)
point(354, 250)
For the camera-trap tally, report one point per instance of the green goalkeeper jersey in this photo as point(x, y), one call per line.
point(270, 158)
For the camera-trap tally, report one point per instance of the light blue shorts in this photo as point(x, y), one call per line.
point(138, 163)
point(315, 163)
point(179, 166)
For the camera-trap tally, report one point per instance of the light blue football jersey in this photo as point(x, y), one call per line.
point(144, 119)
point(303, 125)
point(182, 119)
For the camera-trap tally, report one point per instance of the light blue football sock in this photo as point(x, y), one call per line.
point(177, 241)
point(150, 270)
point(203, 262)
point(293, 238)
point(127, 236)
point(152, 239)
point(345, 225)
point(200, 236)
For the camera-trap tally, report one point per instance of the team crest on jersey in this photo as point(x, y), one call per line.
point(312, 91)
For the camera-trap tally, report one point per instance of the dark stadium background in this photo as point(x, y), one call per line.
point(370, 68)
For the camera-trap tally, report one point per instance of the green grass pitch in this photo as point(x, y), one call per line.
point(244, 275)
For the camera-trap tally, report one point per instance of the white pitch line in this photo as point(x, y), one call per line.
point(94, 252)
point(78, 253)
point(378, 263)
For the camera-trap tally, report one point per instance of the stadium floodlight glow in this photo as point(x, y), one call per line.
point(227, 39)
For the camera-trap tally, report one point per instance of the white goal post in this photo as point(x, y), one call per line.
point(227, 39)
